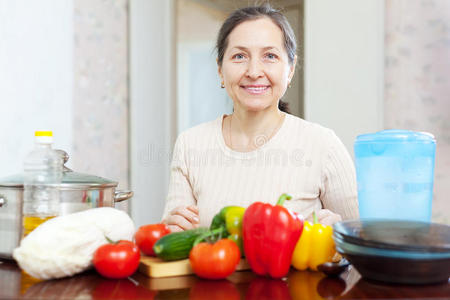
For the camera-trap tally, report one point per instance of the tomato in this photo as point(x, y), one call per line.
point(147, 235)
point(118, 260)
point(215, 261)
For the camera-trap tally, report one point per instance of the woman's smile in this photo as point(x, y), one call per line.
point(255, 89)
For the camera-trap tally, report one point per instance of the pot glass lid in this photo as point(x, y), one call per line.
point(399, 235)
point(69, 179)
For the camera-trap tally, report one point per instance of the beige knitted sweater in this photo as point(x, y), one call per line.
point(303, 159)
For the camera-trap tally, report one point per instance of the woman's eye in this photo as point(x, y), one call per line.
point(271, 56)
point(238, 56)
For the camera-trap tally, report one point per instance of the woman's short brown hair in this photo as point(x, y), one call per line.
point(251, 13)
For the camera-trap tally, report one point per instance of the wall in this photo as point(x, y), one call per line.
point(199, 96)
point(100, 98)
point(152, 97)
point(344, 66)
point(417, 81)
point(295, 94)
point(36, 76)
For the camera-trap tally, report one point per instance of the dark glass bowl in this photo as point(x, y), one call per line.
point(396, 251)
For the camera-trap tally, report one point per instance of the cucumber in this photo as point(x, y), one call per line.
point(177, 245)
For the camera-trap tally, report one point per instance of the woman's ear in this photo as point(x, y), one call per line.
point(219, 69)
point(292, 68)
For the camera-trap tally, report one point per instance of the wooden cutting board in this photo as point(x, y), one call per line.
point(155, 267)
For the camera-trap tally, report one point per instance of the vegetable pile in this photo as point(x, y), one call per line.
point(271, 237)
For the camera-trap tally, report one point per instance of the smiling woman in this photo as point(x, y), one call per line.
point(256, 71)
point(259, 151)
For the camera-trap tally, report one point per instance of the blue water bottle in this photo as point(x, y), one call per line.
point(394, 171)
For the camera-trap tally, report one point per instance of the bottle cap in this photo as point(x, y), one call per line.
point(43, 133)
point(43, 137)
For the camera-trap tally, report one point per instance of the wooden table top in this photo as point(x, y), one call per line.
point(241, 285)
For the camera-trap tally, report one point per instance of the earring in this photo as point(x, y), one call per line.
point(289, 85)
point(222, 85)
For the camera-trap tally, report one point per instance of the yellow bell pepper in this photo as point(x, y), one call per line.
point(314, 247)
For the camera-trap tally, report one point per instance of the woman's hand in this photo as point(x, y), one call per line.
point(326, 217)
point(182, 218)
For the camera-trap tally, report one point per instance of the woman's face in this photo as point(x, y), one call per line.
point(255, 67)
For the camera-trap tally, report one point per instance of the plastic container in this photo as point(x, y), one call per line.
point(43, 173)
point(395, 170)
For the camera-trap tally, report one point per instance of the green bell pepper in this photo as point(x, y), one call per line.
point(229, 220)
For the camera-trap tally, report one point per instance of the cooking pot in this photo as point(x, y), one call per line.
point(77, 192)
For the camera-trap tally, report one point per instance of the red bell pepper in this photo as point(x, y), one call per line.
point(270, 234)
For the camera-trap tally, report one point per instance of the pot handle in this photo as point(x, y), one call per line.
point(122, 195)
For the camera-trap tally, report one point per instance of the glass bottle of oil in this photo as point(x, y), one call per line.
point(43, 173)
